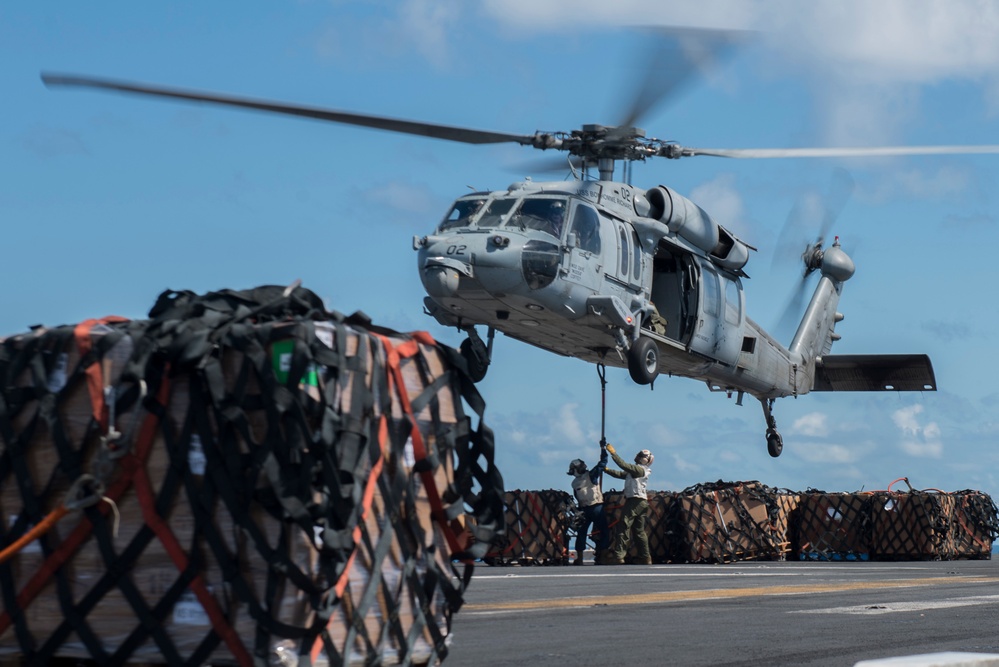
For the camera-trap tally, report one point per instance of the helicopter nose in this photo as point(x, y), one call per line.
point(440, 281)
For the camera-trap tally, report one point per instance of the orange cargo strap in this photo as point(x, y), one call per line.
point(43, 527)
point(147, 502)
point(95, 374)
point(366, 501)
point(454, 531)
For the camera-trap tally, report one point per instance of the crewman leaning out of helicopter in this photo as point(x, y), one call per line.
point(634, 517)
point(589, 497)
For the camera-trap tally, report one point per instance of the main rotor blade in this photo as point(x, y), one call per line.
point(882, 151)
point(673, 57)
point(449, 133)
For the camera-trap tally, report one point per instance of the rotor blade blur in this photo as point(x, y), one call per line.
point(673, 57)
point(882, 151)
point(460, 134)
point(840, 190)
point(553, 165)
point(790, 316)
point(812, 218)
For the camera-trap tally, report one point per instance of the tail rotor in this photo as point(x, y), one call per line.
point(818, 214)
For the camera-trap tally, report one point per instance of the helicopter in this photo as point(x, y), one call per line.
point(601, 270)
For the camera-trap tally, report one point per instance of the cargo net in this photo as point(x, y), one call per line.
point(538, 526)
point(245, 478)
point(658, 529)
point(832, 526)
point(931, 525)
point(723, 522)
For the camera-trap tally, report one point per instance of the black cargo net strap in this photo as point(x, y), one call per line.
point(312, 471)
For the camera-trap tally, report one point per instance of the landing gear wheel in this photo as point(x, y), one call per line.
point(643, 361)
point(775, 443)
point(477, 359)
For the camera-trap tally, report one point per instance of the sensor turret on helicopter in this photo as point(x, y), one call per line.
point(615, 274)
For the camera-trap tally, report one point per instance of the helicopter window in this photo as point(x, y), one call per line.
point(623, 239)
point(732, 310)
point(461, 213)
point(586, 226)
point(545, 215)
point(710, 291)
point(495, 212)
point(540, 262)
point(636, 265)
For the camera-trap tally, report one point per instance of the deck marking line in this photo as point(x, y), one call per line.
point(717, 594)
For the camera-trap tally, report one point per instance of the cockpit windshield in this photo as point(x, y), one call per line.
point(495, 212)
point(461, 213)
point(545, 215)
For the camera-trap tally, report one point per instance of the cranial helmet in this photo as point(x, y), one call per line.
point(577, 467)
point(644, 457)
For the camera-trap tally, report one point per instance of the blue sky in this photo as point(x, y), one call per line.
point(107, 200)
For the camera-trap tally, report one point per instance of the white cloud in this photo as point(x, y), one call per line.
point(568, 426)
point(920, 441)
point(684, 465)
point(720, 198)
point(812, 424)
point(863, 61)
point(820, 452)
point(427, 24)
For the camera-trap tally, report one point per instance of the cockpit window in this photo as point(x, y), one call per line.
point(545, 215)
point(495, 211)
point(586, 227)
point(461, 213)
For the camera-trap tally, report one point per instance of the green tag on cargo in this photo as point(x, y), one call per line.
point(281, 352)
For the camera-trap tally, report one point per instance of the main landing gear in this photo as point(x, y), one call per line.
point(476, 353)
point(775, 443)
point(643, 360)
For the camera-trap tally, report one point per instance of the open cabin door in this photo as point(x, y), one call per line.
point(675, 292)
point(703, 308)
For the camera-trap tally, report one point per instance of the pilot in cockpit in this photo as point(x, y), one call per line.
point(556, 214)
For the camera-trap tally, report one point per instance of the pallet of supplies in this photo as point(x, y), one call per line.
point(724, 522)
point(243, 477)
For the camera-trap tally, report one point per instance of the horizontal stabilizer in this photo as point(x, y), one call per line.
point(874, 372)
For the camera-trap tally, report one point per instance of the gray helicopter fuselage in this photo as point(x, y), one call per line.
point(589, 283)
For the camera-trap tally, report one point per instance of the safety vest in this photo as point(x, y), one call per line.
point(587, 493)
point(637, 487)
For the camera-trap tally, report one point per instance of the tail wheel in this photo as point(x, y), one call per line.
point(643, 361)
point(775, 443)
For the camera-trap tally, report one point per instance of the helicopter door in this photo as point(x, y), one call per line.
point(583, 259)
point(718, 332)
point(629, 259)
